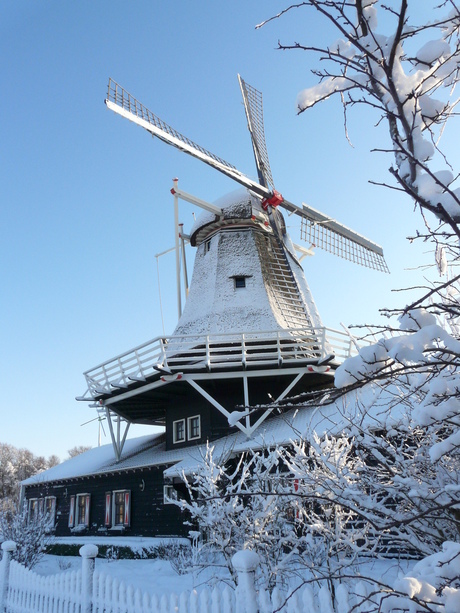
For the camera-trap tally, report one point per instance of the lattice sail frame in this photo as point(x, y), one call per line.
point(319, 235)
point(123, 99)
point(253, 106)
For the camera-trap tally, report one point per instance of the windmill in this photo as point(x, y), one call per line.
point(250, 333)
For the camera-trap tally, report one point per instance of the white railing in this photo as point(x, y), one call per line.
point(90, 591)
point(218, 351)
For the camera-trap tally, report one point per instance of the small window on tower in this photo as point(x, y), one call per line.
point(240, 282)
point(207, 246)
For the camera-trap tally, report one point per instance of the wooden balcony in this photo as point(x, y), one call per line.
point(217, 352)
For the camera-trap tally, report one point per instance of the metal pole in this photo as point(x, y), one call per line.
point(184, 261)
point(246, 400)
point(176, 242)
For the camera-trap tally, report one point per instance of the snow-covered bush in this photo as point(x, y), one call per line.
point(402, 477)
point(245, 504)
point(31, 535)
point(15, 466)
point(433, 585)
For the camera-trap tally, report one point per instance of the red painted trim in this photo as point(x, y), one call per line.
point(72, 512)
point(127, 508)
point(108, 509)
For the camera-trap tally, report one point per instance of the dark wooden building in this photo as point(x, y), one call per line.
point(94, 494)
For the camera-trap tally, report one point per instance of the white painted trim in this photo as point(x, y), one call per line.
point(182, 440)
point(77, 521)
point(169, 488)
point(189, 420)
point(124, 524)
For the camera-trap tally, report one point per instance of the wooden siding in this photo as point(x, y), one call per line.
point(149, 516)
point(213, 424)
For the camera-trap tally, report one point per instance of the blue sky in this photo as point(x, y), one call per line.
point(85, 194)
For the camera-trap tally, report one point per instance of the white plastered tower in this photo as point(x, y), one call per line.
point(245, 278)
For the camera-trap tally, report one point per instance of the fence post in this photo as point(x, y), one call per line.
point(88, 554)
point(7, 547)
point(245, 563)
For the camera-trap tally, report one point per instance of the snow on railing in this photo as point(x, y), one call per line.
point(218, 351)
point(89, 591)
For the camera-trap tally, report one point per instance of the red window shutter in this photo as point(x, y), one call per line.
point(108, 509)
point(127, 518)
point(87, 501)
point(72, 512)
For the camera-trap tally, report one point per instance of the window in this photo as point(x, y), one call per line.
point(121, 508)
point(240, 282)
point(50, 510)
point(193, 427)
point(180, 435)
point(179, 431)
point(207, 246)
point(169, 494)
point(33, 509)
point(39, 507)
point(117, 509)
point(82, 504)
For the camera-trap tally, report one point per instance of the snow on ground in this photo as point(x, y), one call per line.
point(159, 577)
point(152, 576)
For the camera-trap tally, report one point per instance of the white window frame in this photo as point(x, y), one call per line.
point(78, 522)
point(51, 513)
point(124, 524)
point(175, 439)
point(32, 505)
point(189, 427)
point(169, 494)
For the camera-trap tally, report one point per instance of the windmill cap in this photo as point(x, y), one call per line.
point(239, 206)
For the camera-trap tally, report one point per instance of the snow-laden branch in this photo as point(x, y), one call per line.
point(408, 79)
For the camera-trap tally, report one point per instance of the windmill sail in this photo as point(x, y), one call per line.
point(123, 103)
point(324, 232)
point(253, 107)
point(328, 234)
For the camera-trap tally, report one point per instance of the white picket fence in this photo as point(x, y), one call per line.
point(29, 591)
point(89, 591)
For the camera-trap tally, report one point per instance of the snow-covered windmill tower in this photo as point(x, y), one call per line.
point(250, 333)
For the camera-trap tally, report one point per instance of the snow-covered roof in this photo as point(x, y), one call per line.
point(238, 204)
point(137, 453)
point(345, 413)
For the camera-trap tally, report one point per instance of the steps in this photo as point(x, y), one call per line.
point(280, 283)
